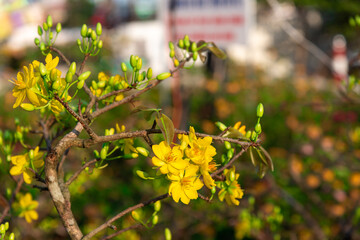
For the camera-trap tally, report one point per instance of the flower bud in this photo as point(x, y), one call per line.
point(123, 67)
point(253, 136)
point(84, 76)
point(93, 36)
point(139, 64)
point(232, 176)
point(40, 31)
point(96, 154)
point(101, 84)
point(58, 27)
point(248, 134)
point(260, 110)
point(6, 226)
point(49, 21)
point(51, 35)
point(258, 128)
point(227, 145)
point(37, 41)
point(42, 69)
point(171, 45)
point(186, 41)
point(111, 81)
point(163, 76)
point(167, 234)
point(83, 31)
point(12, 236)
point(221, 126)
point(27, 106)
point(181, 43)
point(176, 62)
point(172, 53)
point(213, 190)
point(94, 85)
point(155, 220)
point(53, 74)
point(98, 29)
point(230, 153)
point(80, 84)
point(135, 215)
point(130, 156)
point(103, 153)
point(100, 44)
point(157, 206)
point(195, 56)
point(142, 151)
point(31, 154)
point(56, 85)
point(193, 47)
point(69, 77)
point(42, 47)
point(149, 73)
point(133, 61)
point(78, 42)
point(45, 27)
point(2, 229)
point(89, 31)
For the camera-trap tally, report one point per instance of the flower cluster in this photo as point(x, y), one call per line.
point(185, 163)
point(230, 189)
point(26, 206)
point(25, 162)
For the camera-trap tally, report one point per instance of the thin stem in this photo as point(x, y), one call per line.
point(16, 191)
point(122, 231)
point(60, 54)
point(78, 172)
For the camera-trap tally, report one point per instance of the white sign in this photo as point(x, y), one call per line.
point(220, 21)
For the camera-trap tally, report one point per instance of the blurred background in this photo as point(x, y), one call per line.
point(294, 56)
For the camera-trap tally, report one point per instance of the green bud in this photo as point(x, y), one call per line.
point(149, 73)
point(101, 84)
point(155, 220)
point(42, 47)
point(186, 41)
point(157, 206)
point(58, 27)
point(111, 131)
point(258, 128)
point(141, 77)
point(133, 61)
point(230, 153)
point(172, 53)
point(94, 85)
point(139, 64)
point(84, 76)
point(193, 47)
point(56, 85)
point(12, 236)
point(103, 153)
point(18, 136)
point(260, 110)
point(213, 190)
point(221, 126)
point(49, 21)
point(69, 77)
point(96, 154)
point(78, 42)
point(72, 68)
point(223, 159)
point(142, 151)
point(53, 74)
point(227, 145)
point(98, 29)
point(111, 81)
point(42, 69)
point(176, 62)
point(2, 229)
point(31, 154)
point(163, 76)
point(93, 36)
point(51, 35)
point(167, 234)
point(135, 215)
point(6, 226)
point(181, 43)
point(130, 156)
point(232, 176)
point(27, 106)
point(253, 136)
point(195, 56)
point(80, 84)
point(100, 44)
point(45, 27)
point(83, 31)
point(37, 41)
point(248, 134)
point(123, 66)
point(171, 45)
point(40, 31)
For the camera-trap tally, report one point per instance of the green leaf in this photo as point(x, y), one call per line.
point(143, 175)
point(215, 50)
point(268, 159)
point(166, 126)
point(253, 160)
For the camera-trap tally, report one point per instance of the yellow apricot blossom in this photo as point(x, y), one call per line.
point(22, 164)
point(128, 146)
point(50, 64)
point(240, 128)
point(25, 87)
point(185, 185)
point(168, 159)
point(231, 190)
point(27, 207)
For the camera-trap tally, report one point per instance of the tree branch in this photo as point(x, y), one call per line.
point(122, 231)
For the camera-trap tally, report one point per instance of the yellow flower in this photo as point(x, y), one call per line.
point(117, 82)
point(22, 164)
point(240, 129)
point(168, 159)
point(231, 190)
point(50, 64)
point(204, 170)
point(25, 87)
point(127, 143)
point(27, 207)
point(185, 185)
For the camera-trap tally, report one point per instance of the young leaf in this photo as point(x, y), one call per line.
point(262, 170)
point(253, 160)
point(216, 51)
point(166, 126)
point(143, 175)
point(268, 159)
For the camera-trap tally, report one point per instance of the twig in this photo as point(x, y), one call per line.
point(121, 214)
point(16, 191)
point(77, 173)
point(37, 176)
point(60, 54)
point(122, 231)
point(204, 198)
point(46, 135)
point(41, 188)
point(91, 133)
point(113, 93)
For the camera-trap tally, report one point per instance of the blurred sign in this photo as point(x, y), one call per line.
point(221, 21)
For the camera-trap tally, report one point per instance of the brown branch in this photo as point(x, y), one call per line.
point(77, 173)
point(87, 128)
point(204, 198)
point(122, 231)
point(16, 191)
point(60, 54)
point(113, 93)
point(121, 214)
point(46, 136)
